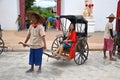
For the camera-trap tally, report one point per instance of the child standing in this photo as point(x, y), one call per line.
point(108, 37)
point(19, 20)
point(57, 24)
point(36, 35)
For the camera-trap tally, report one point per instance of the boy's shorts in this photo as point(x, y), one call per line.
point(108, 44)
point(35, 56)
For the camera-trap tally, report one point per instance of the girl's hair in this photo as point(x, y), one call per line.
point(38, 17)
point(73, 27)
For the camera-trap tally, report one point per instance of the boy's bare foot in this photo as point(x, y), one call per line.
point(113, 59)
point(30, 71)
point(105, 57)
point(39, 71)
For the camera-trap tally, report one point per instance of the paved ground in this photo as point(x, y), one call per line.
point(14, 64)
point(11, 39)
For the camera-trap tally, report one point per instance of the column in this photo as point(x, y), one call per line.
point(59, 9)
point(22, 12)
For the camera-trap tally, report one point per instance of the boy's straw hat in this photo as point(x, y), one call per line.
point(111, 16)
point(35, 13)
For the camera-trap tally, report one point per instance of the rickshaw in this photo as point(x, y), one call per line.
point(82, 48)
point(116, 45)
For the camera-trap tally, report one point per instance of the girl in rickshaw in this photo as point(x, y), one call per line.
point(67, 44)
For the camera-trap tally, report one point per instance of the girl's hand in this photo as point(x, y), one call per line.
point(65, 41)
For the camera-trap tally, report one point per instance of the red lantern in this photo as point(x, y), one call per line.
point(89, 5)
point(92, 5)
point(86, 5)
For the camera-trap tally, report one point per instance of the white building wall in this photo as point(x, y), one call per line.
point(9, 10)
point(72, 7)
point(101, 9)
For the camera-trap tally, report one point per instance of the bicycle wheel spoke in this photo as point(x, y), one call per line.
point(56, 43)
point(1, 45)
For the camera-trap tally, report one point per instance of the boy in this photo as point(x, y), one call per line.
point(36, 35)
point(108, 37)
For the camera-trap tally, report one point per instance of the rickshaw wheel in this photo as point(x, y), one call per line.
point(56, 43)
point(1, 46)
point(82, 50)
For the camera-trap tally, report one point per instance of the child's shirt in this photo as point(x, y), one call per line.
point(36, 34)
point(107, 30)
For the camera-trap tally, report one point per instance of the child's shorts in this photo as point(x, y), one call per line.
point(35, 56)
point(108, 44)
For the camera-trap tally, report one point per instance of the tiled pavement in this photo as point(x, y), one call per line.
point(11, 39)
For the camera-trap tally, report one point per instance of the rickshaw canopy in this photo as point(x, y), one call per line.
point(75, 18)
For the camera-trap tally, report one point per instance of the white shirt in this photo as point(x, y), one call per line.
point(35, 36)
point(107, 30)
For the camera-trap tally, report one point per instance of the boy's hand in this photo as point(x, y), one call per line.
point(24, 44)
point(112, 39)
point(44, 47)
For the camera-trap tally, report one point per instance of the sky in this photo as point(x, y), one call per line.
point(45, 3)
